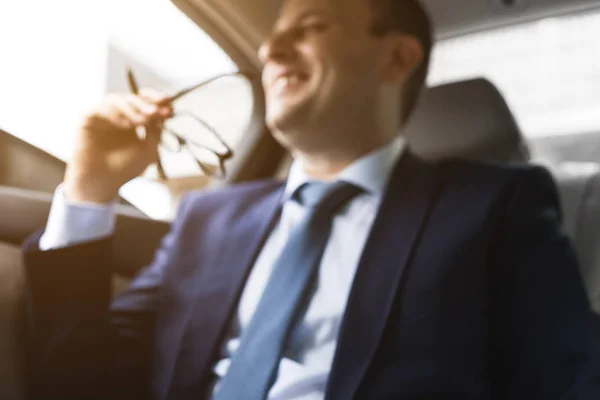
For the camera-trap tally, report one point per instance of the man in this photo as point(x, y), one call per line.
point(369, 274)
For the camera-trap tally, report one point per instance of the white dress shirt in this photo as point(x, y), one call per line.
point(305, 365)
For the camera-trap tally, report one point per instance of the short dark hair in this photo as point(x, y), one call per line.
point(409, 17)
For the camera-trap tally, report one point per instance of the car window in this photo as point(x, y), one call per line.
point(60, 58)
point(548, 71)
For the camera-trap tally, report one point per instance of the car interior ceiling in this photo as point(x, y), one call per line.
point(250, 21)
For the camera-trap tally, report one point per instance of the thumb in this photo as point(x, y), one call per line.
point(151, 143)
point(150, 148)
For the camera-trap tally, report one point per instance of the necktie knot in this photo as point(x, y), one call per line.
point(327, 197)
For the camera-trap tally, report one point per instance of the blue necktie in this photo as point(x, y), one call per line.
point(254, 365)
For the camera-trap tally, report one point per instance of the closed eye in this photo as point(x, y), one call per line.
point(314, 26)
point(313, 22)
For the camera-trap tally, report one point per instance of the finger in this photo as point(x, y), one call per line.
point(130, 111)
point(149, 131)
point(150, 145)
point(153, 137)
point(108, 114)
point(143, 106)
point(153, 95)
point(159, 99)
point(151, 111)
point(155, 127)
point(122, 121)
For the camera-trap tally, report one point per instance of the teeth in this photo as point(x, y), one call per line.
point(290, 79)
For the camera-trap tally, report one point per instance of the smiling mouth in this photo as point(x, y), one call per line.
point(288, 83)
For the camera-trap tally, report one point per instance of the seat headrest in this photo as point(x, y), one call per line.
point(467, 119)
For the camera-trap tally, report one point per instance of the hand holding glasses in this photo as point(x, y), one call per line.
point(188, 133)
point(110, 150)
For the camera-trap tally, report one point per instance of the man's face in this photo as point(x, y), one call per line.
point(320, 63)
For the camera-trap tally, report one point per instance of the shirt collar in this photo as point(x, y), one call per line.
point(370, 172)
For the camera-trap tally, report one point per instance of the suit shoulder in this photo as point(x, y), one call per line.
point(237, 195)
point(239, 190)
point(507, 188)
point(505, 173)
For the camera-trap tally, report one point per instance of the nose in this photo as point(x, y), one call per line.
point(279, 47)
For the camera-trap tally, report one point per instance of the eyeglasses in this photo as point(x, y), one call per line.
point(188, 133)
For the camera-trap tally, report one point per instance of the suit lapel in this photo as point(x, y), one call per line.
point(412, 191)
point(216, 290)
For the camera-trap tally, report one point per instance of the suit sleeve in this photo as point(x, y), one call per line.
point(82, 343)
point(544, 337)
point(71, 223)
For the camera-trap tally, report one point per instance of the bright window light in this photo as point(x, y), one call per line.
point(549, 71)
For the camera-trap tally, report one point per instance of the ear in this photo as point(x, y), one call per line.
point(405, 54)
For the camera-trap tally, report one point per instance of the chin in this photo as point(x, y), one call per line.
point(282, 129)
point(286, 118)
point(288, 129)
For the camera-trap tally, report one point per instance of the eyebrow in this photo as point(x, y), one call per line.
point(316, 12)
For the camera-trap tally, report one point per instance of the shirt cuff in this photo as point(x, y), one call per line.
point(71, 223)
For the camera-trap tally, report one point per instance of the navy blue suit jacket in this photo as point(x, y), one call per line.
point(466, 289)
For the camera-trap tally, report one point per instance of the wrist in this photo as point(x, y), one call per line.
point(89, 189)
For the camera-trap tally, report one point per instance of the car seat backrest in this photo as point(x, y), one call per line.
point(467, 119)
point(12, 323)
point(471, 120)
point(579, 185)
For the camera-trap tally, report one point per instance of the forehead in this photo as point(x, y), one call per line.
point(352, 11)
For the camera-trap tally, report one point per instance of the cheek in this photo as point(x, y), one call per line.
point(336, 66)
point(345, 73)
point(352, 61)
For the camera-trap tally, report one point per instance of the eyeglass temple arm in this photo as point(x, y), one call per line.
point(229, 150)
point(206, 82)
